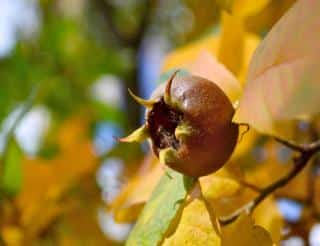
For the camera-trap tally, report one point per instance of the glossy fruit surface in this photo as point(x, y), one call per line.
point(189, 123)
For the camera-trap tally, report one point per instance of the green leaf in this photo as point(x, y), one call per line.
point(163, 206)
point(11, 180)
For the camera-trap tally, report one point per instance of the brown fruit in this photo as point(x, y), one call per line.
point(189, 122)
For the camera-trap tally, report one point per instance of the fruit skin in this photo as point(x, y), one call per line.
point(210, 136)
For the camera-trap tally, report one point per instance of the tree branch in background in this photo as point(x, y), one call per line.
point(106, 10)
point(131, 79)
point(306, 152)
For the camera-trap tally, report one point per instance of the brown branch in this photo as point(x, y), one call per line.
point(306, 152)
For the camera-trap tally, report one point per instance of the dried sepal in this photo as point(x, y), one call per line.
point(139, 135)
point(167, 93)
point(141, 101)
point(183, 130)
point(168, 155)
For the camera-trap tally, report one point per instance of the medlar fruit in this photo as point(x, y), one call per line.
point(189, 123)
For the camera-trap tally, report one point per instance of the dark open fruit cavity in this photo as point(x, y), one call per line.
point(162, 121)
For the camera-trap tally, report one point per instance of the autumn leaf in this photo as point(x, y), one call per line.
point(47, 181)
point(245, 8)
point(283, 75)
point(206, 66)
point(220, 47)
point(242, 8)
point(12, 235)
point(224, 191)
point(244, 232)
point(196, 226)
point(274, 222)
point(232, 43)
point(185, 55)
point(163, 206)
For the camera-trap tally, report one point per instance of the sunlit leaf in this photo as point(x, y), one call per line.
point(195, 226)
point(163, 206)
point(283, 76)
point(273, 222)
point(224, 45)
point(208, 67)
point(11, 179)
point(242, 8)
point(245, 8)
point(224, 191)
point(185, 55)
point(243, 232)
point(47, 181)
point(232, 43)
point(12, 235)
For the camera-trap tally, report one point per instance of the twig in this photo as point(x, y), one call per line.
point(306, 152)
point(248, 185)
point(291, 145)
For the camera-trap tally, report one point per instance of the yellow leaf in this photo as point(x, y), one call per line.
point(243, 232)
point(222, 183)
point(245, 8)
point(196, 226)
point(272, 221)
point(224, 191)
point(246, 142)
point(207, 66)
point(46, 181)
point(12, 236)
point(225, 202)
point(251, 43)
point(182, 57)
point(216, 187)
point(231, 49)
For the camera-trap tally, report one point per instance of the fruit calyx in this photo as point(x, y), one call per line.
point(162, 122)
point(163, 119)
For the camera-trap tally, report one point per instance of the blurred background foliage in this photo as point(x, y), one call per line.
point(65, 66)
